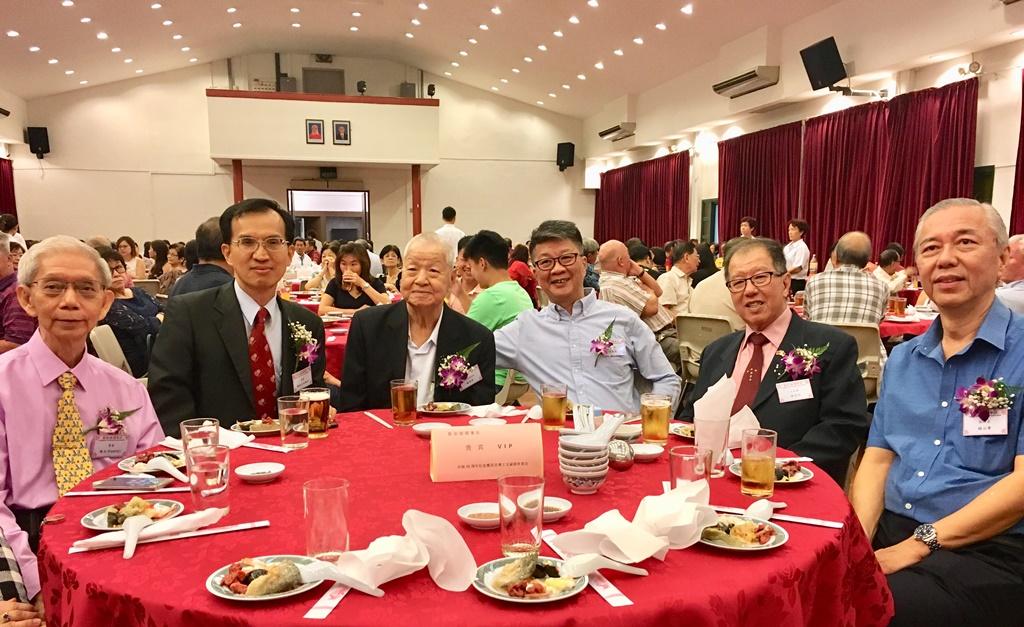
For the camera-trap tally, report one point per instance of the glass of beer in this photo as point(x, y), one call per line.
point(553, 401)
point(403, 401)
point(293, 415)
point(319, 411)
point(757, 476)
point(654, 411)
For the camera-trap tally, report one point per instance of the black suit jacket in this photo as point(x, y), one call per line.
point(828, 427)
point(378, 348)
point(200, 363)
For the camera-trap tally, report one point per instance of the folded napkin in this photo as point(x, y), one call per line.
point(227, 437)
point(741, 421)
point(669, 521)
point(535, 413)
point(600, 437)
point(189, 522)
point(494, 410)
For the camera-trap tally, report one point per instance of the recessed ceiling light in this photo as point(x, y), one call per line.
point(237, 25)
point(416, 22)
point(447, 73)
point(504, 80)
point(167, 22)
point(552, 95)
point(101, 35)
point(13, 33)
point(455, 64)
point(52, 61)
point(232, 9)
point(542, 48)
point(185, 48)
point(473, 40)
point(83, 82)
point(115, 49)
point(128, 60)
point(582, 77)
point(558, 33)
point(85, 20)
point(638, 41)
point(687, 8)
point(176, 37)
point(423, 6)
point(483, 27)
point(463, 53)
point(660, 26)
point(618, 52)
point(599, 65)
point(493, 88)
point(139, 71)
point(566, 86)
point(592, 3)
point(68, 72)
point(193, 60)
point(409, 35)
point(496, 10)
point(296, 25)
point(356, 14)
point(528, 59)
point(68, 3)
point(540, 102)
point(294, 9)
point(515, 70)
point(155, 5)
point(354, 29)
point(574, 20)
point(33, 49)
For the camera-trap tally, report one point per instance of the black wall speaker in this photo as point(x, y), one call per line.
point(38, 140)
point(823, 64)
point(566, 155)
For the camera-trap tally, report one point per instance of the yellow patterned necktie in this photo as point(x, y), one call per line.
point(71, 460)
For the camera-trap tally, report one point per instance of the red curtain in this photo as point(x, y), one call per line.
point(649, 200)
point(759, 176)
point(1017, 211)
point(7, 187)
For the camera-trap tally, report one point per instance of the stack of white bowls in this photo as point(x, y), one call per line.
point(584, 467)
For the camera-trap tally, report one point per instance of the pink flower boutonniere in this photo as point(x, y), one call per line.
point(111, 422)
point(453, 370)
point(802, 363)
point(603, 344)
point(985, 397)
point(306, 348)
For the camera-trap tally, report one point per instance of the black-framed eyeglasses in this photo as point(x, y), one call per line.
point(548, 263)
point(55, 288)
point(250, 244)
point(760, 279)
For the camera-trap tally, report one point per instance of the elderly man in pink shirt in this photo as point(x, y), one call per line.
point(64, 414)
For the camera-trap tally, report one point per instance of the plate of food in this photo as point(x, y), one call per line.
point(258, 428)
point(330, 319)
point(529, 579)
point(443, 409)
point(789, 471)
point(744, 533)
point(682, 429)
point(137, 463)
point(111, 518)
point(260, 578)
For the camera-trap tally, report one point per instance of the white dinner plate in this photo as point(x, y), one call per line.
point(485, 574)
point(97, 519)
point(177, 459)
point(423, 429)
point(445, 409)
point(682, 429)
point(781, 537)
point(213, 581)
point(806, 474)
point(262, 429)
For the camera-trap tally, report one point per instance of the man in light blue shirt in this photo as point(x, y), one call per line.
point(1012, 276)
point(943, 499)
point(555, 344)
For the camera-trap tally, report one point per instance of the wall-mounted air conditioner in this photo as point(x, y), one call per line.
point(622, 130)
point(758, 78)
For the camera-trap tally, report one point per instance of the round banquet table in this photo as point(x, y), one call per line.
point(911, 294)
point(887, 328)
point(822, 576)
point(312, 305)
point(336, 340)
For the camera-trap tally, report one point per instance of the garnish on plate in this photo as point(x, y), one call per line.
point(788, 471)
point(117, 514)
point(530, 577)
point(739, 532)
point(435, 406)
point(176, 458)
point(253, 578)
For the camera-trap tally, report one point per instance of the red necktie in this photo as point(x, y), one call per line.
point(261, 366)
point(750, 380)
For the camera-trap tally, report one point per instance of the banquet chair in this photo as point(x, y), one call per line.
point(869, 356)
point(149, 286)
point(512, 389)
point(107, 348)
point(695, 332)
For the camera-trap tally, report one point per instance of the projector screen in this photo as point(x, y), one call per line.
point(354, 204)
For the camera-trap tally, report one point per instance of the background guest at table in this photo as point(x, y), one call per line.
point(212, 270)
point(519, 271)
point(1012, 290)
point(713, 298)
point(705, 264)
point(303, 267)
point(55, 393)
point(942, 496)
point(16, 326)
point(409, 339)
point(889, 272)
point(642, 255)
point(161, 251)
point(313, 238)
point(357, 288)
point(16, 252)
point(327, 265)
point(675, 284)
point(391, 261)
point(592, 278)
point(191, 255)
point(201, 363)
point(547, 346)
point(133, 263)
point(15, 609)
point(173, 269)
point(9, 226)
point(828, 421)
point(502, 298)
point(313, 250)
point(847, 293)
point(798, 256)
point(748, 227)
point(376, 267)
point(464, 287)
point(131, 328)
point(450, 233)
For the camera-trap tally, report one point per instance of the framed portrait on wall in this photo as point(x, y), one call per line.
point(314, 131)
point(342, 132)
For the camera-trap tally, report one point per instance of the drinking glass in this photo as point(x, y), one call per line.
point(208, 476)
point(714, 436)
point(403, 401)
point(293, 415)
point(553, 401)
point(319, 411)
point(757, 476)
point(325, 504)
point(688, 463)
point(654, 414)
point(521, 510)
point(899, 307)
point(198, 432)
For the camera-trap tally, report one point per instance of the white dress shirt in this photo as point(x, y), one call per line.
point(797, 254)
point(272, 328)
point(894, 282)
point(304, 267)
point(1012, 295)
point(451, 234)
point(420, 365)
point(676, 288)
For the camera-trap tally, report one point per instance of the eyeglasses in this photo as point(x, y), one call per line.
point(117, 270)
point(55, 288)
point(759, 280)
point(548, 263)
point(250, 244)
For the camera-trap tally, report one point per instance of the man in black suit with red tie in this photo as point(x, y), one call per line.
point(823, 415)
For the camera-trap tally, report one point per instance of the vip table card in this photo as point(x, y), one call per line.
point(486, 452)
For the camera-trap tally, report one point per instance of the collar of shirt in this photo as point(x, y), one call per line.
point(1012, 285)
point(431, 341)
point(250, 307)
point(775, 332)
point(992, 330)
point(8, 281)
point(50, 367)
point(582, 306)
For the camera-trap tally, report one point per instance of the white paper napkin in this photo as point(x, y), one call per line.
point(189, 522)
point(711, 415)
point(494, 410)
point(535, 413)
point(231, 439)
point(741, 421)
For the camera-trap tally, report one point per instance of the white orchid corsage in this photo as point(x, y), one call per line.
point(111, 422)
point(802, 363)
point(306, 348)
point(453, 370)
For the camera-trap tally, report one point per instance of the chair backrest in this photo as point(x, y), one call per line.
point(107, 348)
point(695, 332)
point(149, 286)
point(869, 355)
point(512, 389)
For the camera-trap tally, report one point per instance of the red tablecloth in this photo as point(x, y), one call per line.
point(820, 577)
point(911, 294)
point(312, 305)
point(337, 340)
point(896, 329)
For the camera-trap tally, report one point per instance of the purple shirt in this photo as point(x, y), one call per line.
point(28, 416)
point(16, 326)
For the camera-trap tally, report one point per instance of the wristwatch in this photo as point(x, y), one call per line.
point(926, 534)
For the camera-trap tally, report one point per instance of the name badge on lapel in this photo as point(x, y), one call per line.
point(302, 379)
point(798, 390)
point(995, 425)
point(472, 378)
point(110, 445)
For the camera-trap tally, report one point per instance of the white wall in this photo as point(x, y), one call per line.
point(11, 126)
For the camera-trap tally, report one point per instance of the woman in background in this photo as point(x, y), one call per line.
point(391, 260)
point(173, 269)
point(705, 266)
point(327, 265)
point(134, 265)
point(160, 252)
point(133, 316)
point(520, 272)
point(357, 289)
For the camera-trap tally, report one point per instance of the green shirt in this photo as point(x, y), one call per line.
point(497, 306)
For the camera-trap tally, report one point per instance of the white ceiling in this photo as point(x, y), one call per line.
point(446, 26)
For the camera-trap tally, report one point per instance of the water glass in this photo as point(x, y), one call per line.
point(319, 411)
point(198, 432)
point(210, 469)
point(757, 475)
point(325, 504)
point(654, 415)
point(521, 510)
point(403, 401)
point(553, 402)
point(293, 415)
point(688, 463)
point(714, 436)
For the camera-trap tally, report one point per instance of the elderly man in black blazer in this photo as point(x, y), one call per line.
point(409, 339)
point(229, 352)
point(825, 417)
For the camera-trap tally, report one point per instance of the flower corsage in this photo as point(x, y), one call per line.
point(453, 370)
point(985, 397)
point(603, 344)
point(111, 422)
point(802, 363)
point(306, 348)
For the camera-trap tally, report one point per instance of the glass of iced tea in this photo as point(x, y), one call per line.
point(553, 401)
point(899, 307)
point(654, 415)
point(319, 411)
point(403, 401)
point(757, 475)
point(293, 415)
